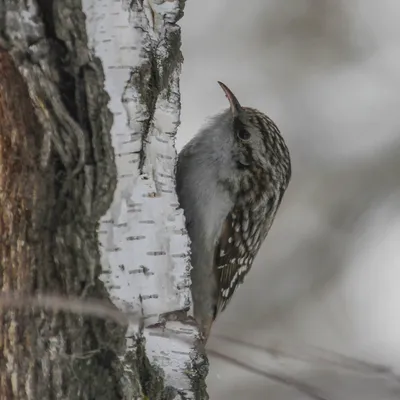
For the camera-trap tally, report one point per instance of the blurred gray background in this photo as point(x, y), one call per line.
point(328, 276)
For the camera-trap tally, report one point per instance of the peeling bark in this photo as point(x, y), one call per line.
point(57, 179)
point(145, 251)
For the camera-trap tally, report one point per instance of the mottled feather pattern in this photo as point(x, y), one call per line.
point(234, 254)
point(243, 232)
point(275, 150)
point(256, 203)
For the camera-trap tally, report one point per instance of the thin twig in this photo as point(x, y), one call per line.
point(95, 308)
point(345, 362)
point(285, 380)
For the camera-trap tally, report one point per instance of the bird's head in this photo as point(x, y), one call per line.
point(256, 140)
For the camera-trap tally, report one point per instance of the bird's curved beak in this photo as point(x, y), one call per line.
point(236, 108)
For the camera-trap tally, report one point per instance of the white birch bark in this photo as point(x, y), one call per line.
point(144, 243)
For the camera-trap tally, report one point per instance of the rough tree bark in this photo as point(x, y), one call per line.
point(89, 107)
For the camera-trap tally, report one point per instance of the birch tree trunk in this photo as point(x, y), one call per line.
point(89, 108)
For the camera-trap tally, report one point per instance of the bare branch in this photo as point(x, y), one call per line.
point(322, 356)
point(285, 380)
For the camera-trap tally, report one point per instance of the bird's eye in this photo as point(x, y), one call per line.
point(242, 134)
point(240, 130)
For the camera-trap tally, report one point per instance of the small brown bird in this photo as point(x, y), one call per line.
point(230, 180)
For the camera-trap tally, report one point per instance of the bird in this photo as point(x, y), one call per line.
point(230, 181)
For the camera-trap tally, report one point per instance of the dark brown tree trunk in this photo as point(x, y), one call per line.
point(49, 246)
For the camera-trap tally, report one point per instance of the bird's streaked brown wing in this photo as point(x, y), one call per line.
point(234, 254)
